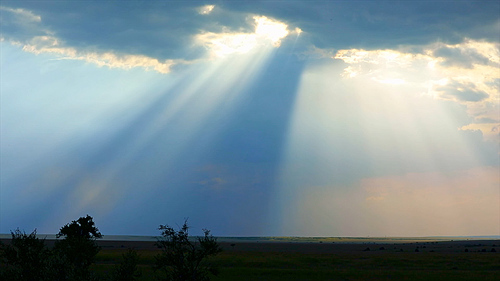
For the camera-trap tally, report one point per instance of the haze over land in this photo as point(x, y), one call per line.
point(252, 118)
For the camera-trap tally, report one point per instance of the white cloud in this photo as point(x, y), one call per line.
point(205, 10)
point(490, 131)
point(427, 68)
point(460, 91)
point(23, 15)
point(49, 44)
point(466, 54)
point(467, 73)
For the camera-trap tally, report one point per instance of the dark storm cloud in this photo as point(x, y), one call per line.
point(164, 29)
point(383, 24)
point(101, 26)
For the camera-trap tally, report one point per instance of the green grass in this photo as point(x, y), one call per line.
point(249, 265)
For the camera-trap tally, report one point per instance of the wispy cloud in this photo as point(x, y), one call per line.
point(22, 15)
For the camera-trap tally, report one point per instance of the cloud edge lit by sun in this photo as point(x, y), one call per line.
point(468, 77)
point(267, 32)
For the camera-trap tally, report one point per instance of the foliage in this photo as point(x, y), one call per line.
point(84, 227)
point(26, 258)
point(127, 270)
point(185, 259)
point(77, 251)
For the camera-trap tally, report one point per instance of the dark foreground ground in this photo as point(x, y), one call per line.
point(326, 260)
point(403, 260)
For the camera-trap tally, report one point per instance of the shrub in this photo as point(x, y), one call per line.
point(185, 259)
point(26, 258)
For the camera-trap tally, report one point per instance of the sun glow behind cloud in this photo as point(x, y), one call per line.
point(270, 29)
point(267, 32)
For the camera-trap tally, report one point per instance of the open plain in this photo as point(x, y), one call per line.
point(325, 258)
point(333, 258)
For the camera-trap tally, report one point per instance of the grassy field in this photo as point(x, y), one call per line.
point(356, 265)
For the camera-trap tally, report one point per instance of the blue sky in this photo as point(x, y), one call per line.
point(252, 118)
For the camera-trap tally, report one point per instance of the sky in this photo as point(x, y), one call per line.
point(251, 118)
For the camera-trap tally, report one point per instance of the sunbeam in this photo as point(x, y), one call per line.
point(282, 118)
point(342, 131)
point(180, 106)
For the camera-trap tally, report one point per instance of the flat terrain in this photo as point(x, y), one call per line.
point(347, 260)
point(326, 246)
point(330, 258)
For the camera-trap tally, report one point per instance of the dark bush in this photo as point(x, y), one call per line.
point(185, 259)
point(26, 258)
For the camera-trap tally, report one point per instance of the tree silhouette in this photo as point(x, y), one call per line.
point(84, 227)
point(185, 259)
point(77, 251)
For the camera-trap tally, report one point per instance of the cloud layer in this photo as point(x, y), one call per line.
point(203, 38)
